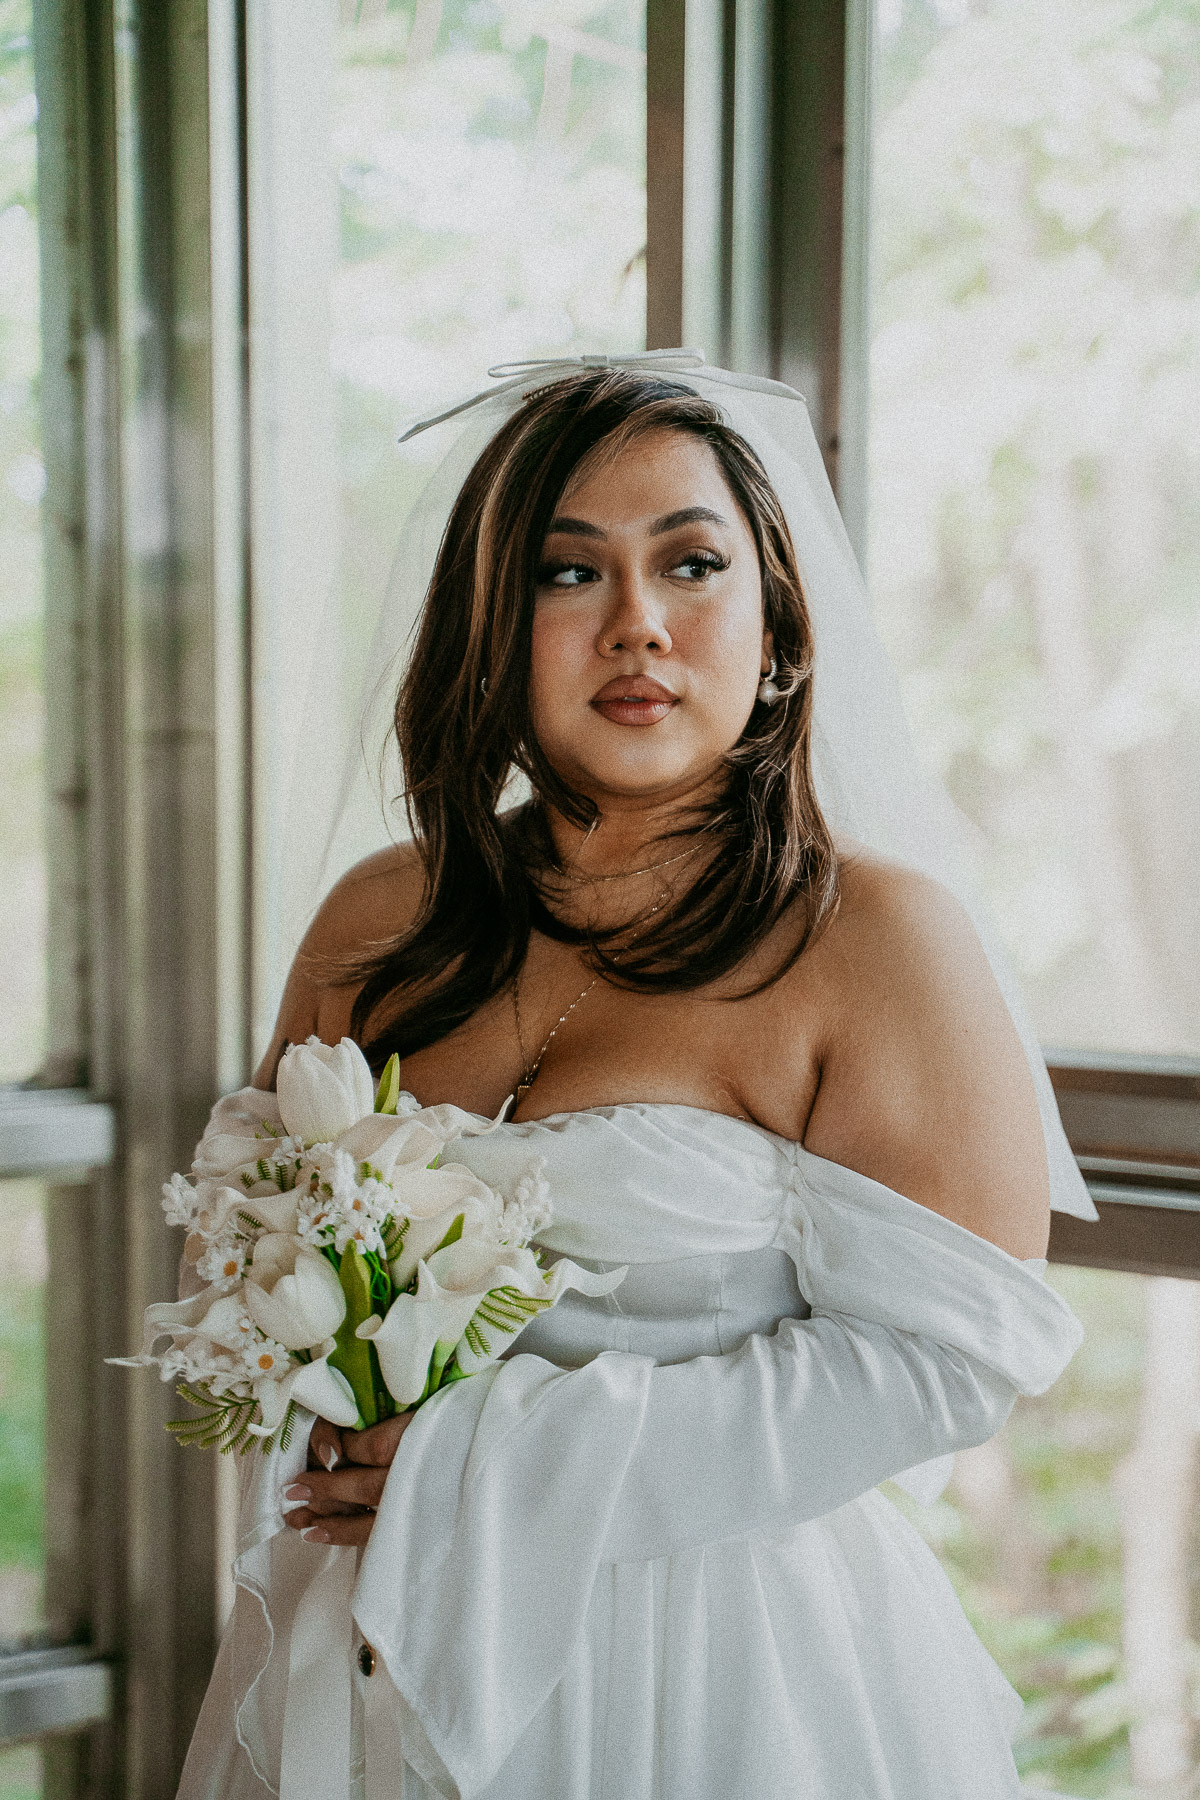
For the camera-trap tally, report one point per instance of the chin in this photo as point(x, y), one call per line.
point(634, 776)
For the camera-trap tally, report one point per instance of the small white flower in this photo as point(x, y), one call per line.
point(529, 1211)
point(265, 1360)
point(179, 1201)
point(223, 1263)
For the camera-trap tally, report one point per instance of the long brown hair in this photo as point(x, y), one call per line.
point(463, 726)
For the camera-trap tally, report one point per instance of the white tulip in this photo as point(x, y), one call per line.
point(323, 1089)
point(314, 1384)
point(292, 1293)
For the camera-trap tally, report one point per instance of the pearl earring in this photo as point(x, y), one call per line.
point(768, 693)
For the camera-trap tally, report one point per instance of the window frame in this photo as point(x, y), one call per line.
point(141, 184)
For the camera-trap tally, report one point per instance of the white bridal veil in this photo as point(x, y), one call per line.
point(868, 777)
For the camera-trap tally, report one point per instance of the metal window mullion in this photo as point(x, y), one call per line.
point(146, 638)
point(80, 406)
point(185, 1011)
point(758, 150)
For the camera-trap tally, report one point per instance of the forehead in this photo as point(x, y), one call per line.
point(659, 472)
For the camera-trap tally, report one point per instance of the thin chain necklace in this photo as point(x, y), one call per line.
point(531, 1072)
point(530, 1076)
point(628, 874)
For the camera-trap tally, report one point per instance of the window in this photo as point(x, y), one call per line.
point(267, 239)
point(22, 851)
point(1034, 471)
point(1032, 551)
point(434, 189)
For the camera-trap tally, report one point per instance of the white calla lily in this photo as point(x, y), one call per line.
point(322, 1389)
point(499, 1320)
point(215, 1204)
point(411, 1329)
point(241, 1128)
point(389, 1144)
point(453, 1286)
point(431, 1200)
point(323, 1089)
point(166, 1318)
point(225, 1323)
point(293, 1293)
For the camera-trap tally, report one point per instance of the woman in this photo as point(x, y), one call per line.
point(768, 1069)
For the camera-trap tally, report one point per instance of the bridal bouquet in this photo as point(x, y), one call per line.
point(348, 1269)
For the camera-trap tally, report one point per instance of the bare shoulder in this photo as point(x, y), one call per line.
point(924, 1082)
point(371, 904)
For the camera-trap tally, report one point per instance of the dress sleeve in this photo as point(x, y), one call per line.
point(511, 1489)
point(921, 1337)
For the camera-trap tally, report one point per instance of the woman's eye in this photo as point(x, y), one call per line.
point(565, 575)
point(699, 564)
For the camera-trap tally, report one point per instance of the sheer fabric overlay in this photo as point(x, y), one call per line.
point(869, 780)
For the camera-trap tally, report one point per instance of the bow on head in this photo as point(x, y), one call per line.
point(518, 374)
point(669, 361)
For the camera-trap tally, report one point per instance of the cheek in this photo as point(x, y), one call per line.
point(560, 650)
point(724, 649)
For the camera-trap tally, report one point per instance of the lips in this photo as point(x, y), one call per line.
point(634, 700)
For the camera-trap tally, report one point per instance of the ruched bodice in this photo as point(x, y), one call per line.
point(691, 1201)
point(642, 1558)
point(645, 1183)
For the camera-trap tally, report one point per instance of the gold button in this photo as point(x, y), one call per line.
point(366, 1659)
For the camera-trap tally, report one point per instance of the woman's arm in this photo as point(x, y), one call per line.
point(371, 904)
point(924, 1084)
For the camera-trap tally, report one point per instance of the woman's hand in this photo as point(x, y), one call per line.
point(344, 1481)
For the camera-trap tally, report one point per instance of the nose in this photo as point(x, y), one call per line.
point(633, 621)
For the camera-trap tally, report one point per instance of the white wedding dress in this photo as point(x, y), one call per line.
point(643, 1558)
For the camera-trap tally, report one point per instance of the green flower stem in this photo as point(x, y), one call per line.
point(353, 1355)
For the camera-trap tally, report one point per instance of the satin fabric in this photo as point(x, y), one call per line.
point(643, 1556)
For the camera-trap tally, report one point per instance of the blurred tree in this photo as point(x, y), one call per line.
point(1035, 519)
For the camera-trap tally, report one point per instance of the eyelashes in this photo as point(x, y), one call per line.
point(582, 574)
point(708, 560)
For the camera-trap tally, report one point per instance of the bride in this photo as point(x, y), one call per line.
point(768, 1065)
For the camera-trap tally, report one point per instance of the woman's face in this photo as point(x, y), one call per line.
point(648, 640)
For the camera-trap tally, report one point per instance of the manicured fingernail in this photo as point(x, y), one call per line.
point(329, 1456)
point(314, 1535)
point(297, 1492)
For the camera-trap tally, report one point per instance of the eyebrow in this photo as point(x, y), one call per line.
point(687, 515)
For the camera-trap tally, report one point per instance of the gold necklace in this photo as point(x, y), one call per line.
point(628, 874)
point(530, 1076)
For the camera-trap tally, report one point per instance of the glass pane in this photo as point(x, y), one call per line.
point(22, 479)
point(435, 186)
point(22, 1407)
point(1035, 476)
point(21, 1773)
point(1071, 1540)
